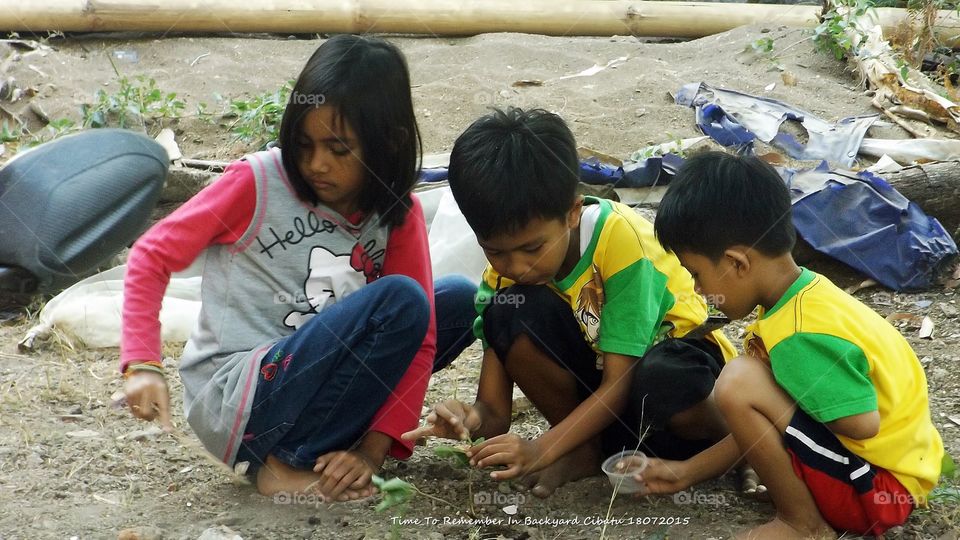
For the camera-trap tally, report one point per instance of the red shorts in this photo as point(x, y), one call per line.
point(851, 494)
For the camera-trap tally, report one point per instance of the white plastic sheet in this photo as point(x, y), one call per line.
point(91, 309)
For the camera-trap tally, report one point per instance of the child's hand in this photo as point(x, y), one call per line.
point(148, 397)
point(663, 476)
point(345, 475)
point(450, 419)
point(519, 455)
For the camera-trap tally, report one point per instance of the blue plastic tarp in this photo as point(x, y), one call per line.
point(654, 171)
point(735, 119)
point(860, 219)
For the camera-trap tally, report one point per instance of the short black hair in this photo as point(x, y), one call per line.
point(510, 167)
point(718, 200)
point(367, 80)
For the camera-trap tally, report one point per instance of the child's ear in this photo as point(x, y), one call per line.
point(739, 259)
point(573, 217)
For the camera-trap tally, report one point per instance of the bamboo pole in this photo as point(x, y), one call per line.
point(431, 17)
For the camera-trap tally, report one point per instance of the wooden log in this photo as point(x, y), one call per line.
point(935, 187)
point(433, 17)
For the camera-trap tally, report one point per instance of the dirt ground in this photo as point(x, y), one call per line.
point(73, 467)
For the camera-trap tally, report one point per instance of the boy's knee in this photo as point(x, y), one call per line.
point(735, 380)
point(520, 302)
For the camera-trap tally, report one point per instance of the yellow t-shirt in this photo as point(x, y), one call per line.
point(626, 291)
point(837, 357)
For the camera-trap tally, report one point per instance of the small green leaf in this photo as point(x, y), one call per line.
point(454, 453)
point(394, 491)
point(948, 469)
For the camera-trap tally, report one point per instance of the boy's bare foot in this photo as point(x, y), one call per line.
point(582, 462)
point(750, 485)
point(781, 530)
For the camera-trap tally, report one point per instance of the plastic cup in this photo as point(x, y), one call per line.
point(620, 469)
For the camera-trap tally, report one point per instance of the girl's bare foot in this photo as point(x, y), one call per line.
point(750, 485)
point(351, 494)
point(582, 462)
point(781, 530)
point(276, 476)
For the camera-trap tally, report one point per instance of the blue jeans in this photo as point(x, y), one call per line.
point(319, 388)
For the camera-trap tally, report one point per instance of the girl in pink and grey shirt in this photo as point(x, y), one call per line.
point(318, 331)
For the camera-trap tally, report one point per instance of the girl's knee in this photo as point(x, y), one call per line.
point(457, 287)
point(404, 296)
point(456, 294)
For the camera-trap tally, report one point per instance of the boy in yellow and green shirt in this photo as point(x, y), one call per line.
point(829, 404)
point(580, 307)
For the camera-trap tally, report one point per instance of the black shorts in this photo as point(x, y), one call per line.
point(671, 377)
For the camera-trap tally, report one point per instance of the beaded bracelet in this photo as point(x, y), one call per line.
point(154, 366)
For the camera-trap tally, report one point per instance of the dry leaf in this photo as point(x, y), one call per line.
point(863, 285)
point(926, 328)
point(788, 78)
point(528, 82)
point(909, 318)
point(773, 158)
point(585, 153)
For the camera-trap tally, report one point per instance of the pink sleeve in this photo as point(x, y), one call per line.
point(408, 253)
point(219, 214)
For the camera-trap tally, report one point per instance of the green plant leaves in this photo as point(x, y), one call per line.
point(457, 453)
point(394, 491)
point(258, 118)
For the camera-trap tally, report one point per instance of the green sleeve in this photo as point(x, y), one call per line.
point(485, 294)
point(637, 299)
point(829, 377)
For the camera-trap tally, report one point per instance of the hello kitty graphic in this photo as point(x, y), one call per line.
point(331, 276)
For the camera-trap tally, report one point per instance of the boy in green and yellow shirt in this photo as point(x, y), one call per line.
point(580, 307)
point(829, 404)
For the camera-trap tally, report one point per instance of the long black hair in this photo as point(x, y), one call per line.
point(367, 81)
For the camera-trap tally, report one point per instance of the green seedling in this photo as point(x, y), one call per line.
point(395, 492)
point(10, 134)
point(457, 453)
point(258, 118)
point(948, 469)
point(136, 102)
